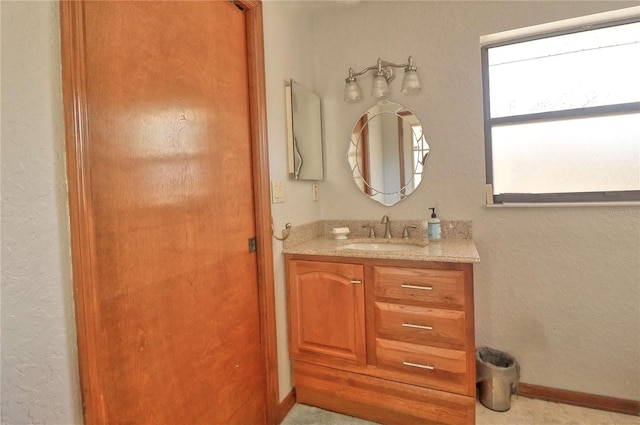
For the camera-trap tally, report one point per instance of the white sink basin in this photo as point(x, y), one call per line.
point(372, 246)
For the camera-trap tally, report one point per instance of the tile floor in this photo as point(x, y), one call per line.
point(524, 411)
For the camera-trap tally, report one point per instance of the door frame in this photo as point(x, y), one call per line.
point(80, 207)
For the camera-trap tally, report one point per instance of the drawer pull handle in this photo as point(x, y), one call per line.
point(356, 281)
point(421, 366)
point(411, 325)
point(424, 288)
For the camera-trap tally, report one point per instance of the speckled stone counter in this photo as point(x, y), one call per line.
point(315, 238)
point(446, 250)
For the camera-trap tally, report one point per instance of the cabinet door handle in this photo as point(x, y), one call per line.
point(409, 286)
point(421, 366)
point(356, 281)
point(411, 325)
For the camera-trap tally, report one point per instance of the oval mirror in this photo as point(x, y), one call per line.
point(388, 152)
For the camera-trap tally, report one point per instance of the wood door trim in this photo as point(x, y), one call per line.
point(260, 147)
point(80, 207)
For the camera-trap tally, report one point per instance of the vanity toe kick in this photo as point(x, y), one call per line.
point(380, 400)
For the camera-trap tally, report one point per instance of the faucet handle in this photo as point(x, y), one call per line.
point(372, 232)
point(405, 230)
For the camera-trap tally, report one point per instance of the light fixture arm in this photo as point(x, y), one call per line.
point(386, 68)
point(364, 71)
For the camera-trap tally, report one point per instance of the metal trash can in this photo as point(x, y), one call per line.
point(498, 374)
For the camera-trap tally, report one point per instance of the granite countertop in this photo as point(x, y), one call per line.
point(445, 250)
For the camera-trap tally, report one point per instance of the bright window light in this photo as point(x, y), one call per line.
point(562, 116)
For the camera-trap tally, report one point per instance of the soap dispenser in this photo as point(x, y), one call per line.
point(433, 226)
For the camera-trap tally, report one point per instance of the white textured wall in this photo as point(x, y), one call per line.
point(288, 38)
point(557, 287)
point(39, 365)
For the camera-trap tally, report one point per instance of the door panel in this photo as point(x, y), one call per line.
point(174, 293)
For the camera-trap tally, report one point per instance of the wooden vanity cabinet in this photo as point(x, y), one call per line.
point(386, 340)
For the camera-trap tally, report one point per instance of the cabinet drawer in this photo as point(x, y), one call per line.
point(434, 367)
point(420, 325)
point(445, 287)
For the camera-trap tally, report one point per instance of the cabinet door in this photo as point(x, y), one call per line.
point(326, 311)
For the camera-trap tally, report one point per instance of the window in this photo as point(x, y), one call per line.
point(562, 115)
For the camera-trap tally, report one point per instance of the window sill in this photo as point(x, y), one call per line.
point(564, 204)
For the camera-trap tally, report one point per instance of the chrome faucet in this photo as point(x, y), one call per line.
point(372, 232)
point(387, 226)
point(405, 231)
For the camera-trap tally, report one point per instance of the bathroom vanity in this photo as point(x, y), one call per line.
point(384, 334)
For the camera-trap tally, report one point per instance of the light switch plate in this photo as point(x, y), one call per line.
point(277, 192)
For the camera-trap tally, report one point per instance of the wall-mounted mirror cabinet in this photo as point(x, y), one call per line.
point(304, 128)
point(388, 152)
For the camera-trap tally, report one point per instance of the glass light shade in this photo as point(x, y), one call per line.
point(380, 87)
point(352, 92)
point(410, 83)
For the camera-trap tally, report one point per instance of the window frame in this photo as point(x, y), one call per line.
point(595, 111)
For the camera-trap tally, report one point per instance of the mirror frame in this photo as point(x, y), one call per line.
point(361, 170)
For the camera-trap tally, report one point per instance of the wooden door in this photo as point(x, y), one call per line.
point(326, 311)
point(163, 205)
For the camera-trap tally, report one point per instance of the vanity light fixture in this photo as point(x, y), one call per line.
point(384, 74)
